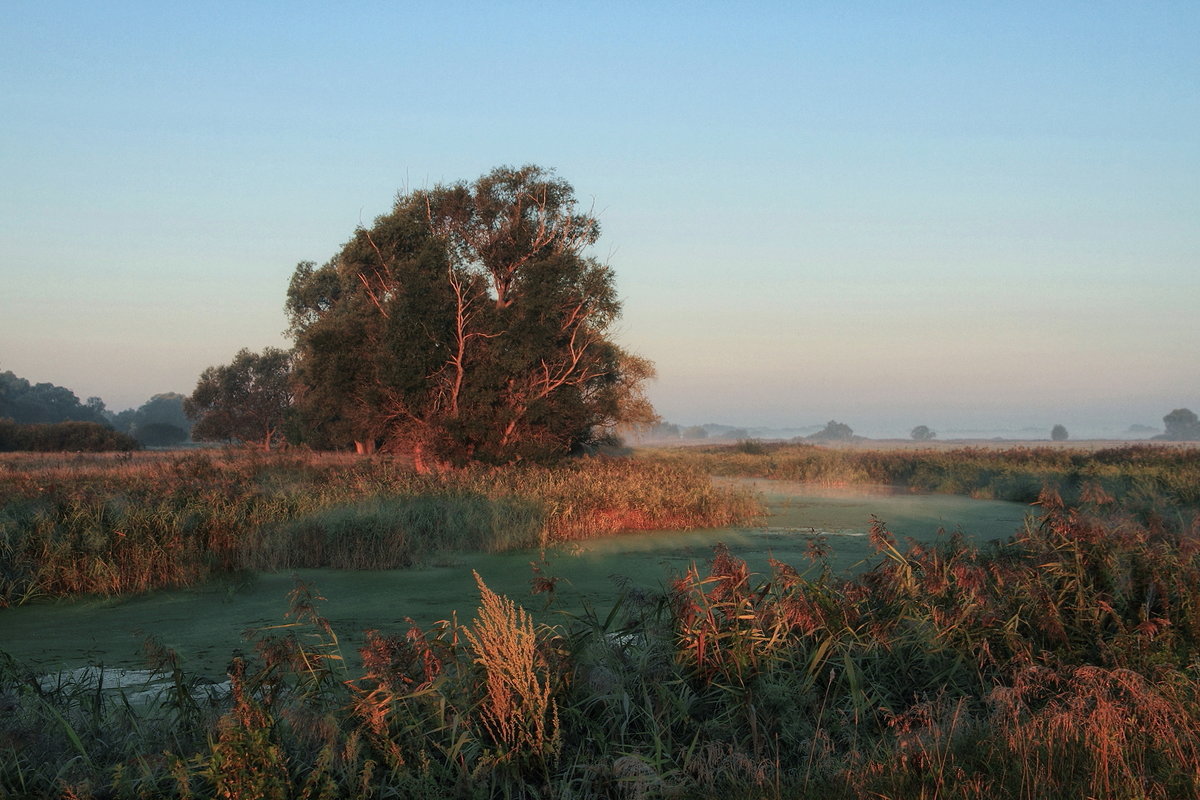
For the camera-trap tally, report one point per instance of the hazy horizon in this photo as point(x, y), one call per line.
point(967, 217)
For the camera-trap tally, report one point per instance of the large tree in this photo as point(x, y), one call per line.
point(467, 324)
point(247, 400)
point(1182, 425)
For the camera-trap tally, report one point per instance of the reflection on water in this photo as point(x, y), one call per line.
point(205, 624)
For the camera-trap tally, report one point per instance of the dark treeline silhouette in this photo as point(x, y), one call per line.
point(1182, 426)
point(159, 422)
point(29, 403)
point(834, 431)
point(70, 436)
point(46, 417)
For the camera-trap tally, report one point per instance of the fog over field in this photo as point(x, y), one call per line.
point(1022, 427)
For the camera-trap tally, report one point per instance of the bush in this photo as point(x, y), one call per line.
point(87, 437)
point(834, 431)
point(923, 433)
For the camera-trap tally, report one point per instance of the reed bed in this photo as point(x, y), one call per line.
point(1060, 663)
point(126, 523)
point(1145, 476)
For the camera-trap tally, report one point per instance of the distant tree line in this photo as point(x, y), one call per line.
point(70, 436)
point(159, 422)
point(41, 403)
point(46, 417)
point(709, 430)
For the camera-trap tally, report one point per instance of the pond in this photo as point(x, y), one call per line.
point(205, 625)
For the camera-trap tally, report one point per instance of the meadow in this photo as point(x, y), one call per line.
point(1060, 661)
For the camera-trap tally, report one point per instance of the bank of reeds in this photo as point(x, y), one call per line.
point(123, 524)
point(1061, 663)
point(1146, 476)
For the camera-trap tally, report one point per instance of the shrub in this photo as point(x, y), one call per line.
point(88, 437)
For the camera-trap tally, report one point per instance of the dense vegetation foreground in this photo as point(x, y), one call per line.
point(118, 524)
point(1060, 663)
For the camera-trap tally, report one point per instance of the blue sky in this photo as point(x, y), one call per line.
point(964, 215)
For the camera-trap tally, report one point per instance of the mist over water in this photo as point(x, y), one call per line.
point(205, 624)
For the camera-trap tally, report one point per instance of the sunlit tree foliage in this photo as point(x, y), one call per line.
point(466, 324)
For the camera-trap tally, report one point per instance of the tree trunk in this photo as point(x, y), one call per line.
point(418, 459)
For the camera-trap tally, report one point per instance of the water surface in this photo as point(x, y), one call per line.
point(205, 624)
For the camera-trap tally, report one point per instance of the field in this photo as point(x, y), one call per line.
point(1058, 662)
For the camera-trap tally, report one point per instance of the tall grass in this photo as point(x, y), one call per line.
point(1150, 477)
point(124, 524)
point(1060, 663)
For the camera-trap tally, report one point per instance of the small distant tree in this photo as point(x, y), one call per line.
point(923, 433)
point(159, 422)
point(122, 421)
point(160, 434)
point(1059, 434)
point(1182, 425)
point(165, 408)
point(247, 400)
point(834, 431)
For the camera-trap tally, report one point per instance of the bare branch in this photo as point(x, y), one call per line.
point(371, 294)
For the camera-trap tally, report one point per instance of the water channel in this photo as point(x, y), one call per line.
point(205, 625)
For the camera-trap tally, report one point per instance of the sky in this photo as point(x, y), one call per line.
point(973, 216)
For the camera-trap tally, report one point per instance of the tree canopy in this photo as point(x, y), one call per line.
point(466, 324)
point(67, 436)
point(834, 431)
point(923, 433)
point(28, 403)
point(1182, 425)
point(247, 400)
point(159, 422)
